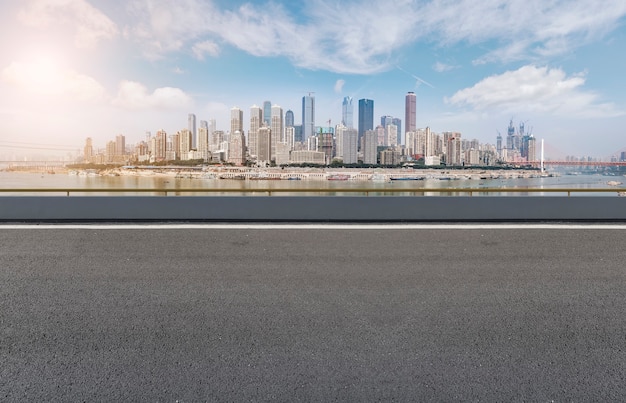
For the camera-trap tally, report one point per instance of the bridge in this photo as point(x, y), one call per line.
point(537, 164)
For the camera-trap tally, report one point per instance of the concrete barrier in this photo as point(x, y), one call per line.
point(325, 208)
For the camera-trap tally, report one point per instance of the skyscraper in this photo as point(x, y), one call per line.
point(308, 116)
point(256, 122)
point(289, 120)
point(277, 127)
point(410, 112)
point(398, 123)
point(347, 111)
point(267, 112)
point(191, 125)
point(366, 117)
point(236, 120)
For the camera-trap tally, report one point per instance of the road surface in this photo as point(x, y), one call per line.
point(321, 312)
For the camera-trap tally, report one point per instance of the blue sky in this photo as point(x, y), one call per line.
point(77, 68)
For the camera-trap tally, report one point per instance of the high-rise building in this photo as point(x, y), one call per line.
point(236, 120)
point(264, 145)
point(289, 118)
point(366, 117)
point(203, 142)
point(277, 127)
point(88, 151)
point(308, 116)
point(350, 144)
point(160, 145)
point(120, 144)
point(256, 122)
point(410, 112)
point(347, 111)
point(398, 123)
point(237, 148)
point(191, 125)
point(267, 112)
point(184, 141)
point(298, 136)
point(370, 148)
point(391, 135)
point(453, 153)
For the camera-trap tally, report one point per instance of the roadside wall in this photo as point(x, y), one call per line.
point(310, 208)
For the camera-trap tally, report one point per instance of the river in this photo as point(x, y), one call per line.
point(21, 180)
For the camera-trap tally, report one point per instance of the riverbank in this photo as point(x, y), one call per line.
point(314, 174)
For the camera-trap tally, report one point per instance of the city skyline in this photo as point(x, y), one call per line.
point(99, 69)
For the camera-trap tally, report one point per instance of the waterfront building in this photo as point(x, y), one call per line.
point(289, 118)
point(120, 145)
point(410, 112)
point(308, 116)
point(370, 147)
point(347, 112)
point(216, 138)
point(282, 153)
point(390, 156)
point(391, 135)
point(307, 157)
point(398, 123)
point(277, 128)
point(237, 148)
point(184, 141)
point(267, 112)
point(326, 144)
point(109, 153)
point(350, 141)
point(290, 136)
point(203, 142)
point(453, 149)
point(191, 126)
point(256, 122)
point(236, 120)
point(88, 150)
point(298, 135)
point(339, 129)
point(160, 145)
point(264, 145)
point(381, 137)
point(366, 117)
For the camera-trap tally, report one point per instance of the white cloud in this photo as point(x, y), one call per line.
point(442, 67)
point(44, 78)
point(202, 49)
point(339, 86)
point(134, 95)
point(90, 24)
point(534, 89)
point(365, 36)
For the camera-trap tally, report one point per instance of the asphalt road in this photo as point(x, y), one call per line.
point(320, 314)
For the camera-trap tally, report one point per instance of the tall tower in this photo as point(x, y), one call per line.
point(398, 123)
point(410, 112)
point(308, 116)
point(120, 144)
point(267, 112)
point(366, 117)
point(236, 120)
point(347, 111)
point(88, 151)
point(256, 122)
point(191, 125)
point(277, 127)
point(289, 120)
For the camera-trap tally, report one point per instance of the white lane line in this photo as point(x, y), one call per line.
point(305, 226)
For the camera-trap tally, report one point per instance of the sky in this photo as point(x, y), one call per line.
point(72, 69)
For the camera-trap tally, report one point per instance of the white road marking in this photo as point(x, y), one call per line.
point(307, 226)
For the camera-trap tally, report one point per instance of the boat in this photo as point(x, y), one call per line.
point(407, 178)
point(613, 183)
